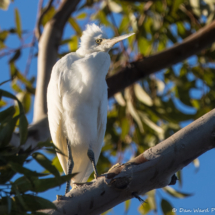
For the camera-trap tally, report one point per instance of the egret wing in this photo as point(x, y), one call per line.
point(55, 108)
point(85, 109)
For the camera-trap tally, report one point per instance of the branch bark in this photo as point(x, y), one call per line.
point(48, 47)
point(190, 46)
point(151, 170)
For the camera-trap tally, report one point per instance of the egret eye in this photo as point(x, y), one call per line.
point(98, 41)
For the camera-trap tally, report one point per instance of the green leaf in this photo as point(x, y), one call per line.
point(75, 26)
point(18, 23)
point(16, 55)
point(49, 145)
point(119, 98)
point(175, 193)
point(81, 16)
point(25, 98)
point(7, 113)
point(39, 185)
point(7, 131)
point(166, 207)
point(144, 208)
point(151, 199)
point(125, 126)
point(48, 15)
point(144, 46)
point(127, 206)
point(46, 143)
point(57, 164)
point(101, 16)
point(37, 203)
point(124, 24)
point(131, 109)
point(142, 95)
point(2, 45)
point(195, 5)
point(19, 198)
point(16, 73)
point(26, 102)
point(3, 35)
point(22, 170)
point(23, 123)
point(73, 44)
point(116, 8)
point(46, 163)
point(2, 103)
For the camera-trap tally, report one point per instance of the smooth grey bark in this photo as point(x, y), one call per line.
point(150, 170)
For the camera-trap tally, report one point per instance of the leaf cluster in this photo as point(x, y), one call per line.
point(20, 186)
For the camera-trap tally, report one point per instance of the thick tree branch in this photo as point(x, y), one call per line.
point(48, 46)
point(150, 170)
point(190, 46)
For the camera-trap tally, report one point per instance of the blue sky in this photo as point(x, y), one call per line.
point(200, 184)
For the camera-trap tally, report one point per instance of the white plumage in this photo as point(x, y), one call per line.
point(77, 100)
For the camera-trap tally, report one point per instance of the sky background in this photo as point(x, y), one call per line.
point(199, 183)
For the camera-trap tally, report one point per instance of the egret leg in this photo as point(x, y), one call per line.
point(70, 166)
point(91, 156)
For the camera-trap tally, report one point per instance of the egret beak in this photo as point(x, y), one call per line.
point(115, 40)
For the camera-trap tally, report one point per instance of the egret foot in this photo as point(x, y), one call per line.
point(90, 155)
point(70, 166)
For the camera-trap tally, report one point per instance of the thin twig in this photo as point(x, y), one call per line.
point(3, 54)
point(2, 84)
point(30, 55)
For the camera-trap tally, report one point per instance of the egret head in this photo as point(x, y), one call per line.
point(94, 39)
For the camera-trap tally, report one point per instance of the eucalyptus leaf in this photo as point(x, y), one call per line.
point(142, 95)
point(7, 131)
point(166, 207)
point(35, 184)
point(18, 23)
point(37, 203)
point(175, 193)
point(22, 170)
point(46, 163)
point(7, 113)
point(75, 26)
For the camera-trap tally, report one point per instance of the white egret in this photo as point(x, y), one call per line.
point(77, 103)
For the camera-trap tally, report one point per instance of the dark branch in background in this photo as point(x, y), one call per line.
point(11, 51)
point(139, 69)
point(40, 17)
